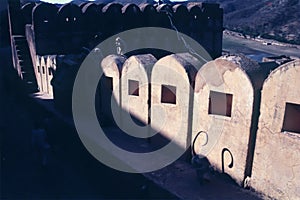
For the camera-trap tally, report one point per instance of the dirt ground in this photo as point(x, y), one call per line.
point(236, 44)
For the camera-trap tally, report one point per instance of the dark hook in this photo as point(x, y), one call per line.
point(194, 141)
point(231, 163)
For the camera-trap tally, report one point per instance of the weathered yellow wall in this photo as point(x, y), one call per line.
point(136, 68)
point(223, 132)
point(276, 167)
point(172, 120)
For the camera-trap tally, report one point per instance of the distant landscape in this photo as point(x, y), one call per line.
point(272, 19)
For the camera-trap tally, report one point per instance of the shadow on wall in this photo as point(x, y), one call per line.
point(231, 107)
point(164, 104)
point(169, 84)
point(222, 98)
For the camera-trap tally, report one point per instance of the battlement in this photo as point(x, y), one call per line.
point(241, 115)
point(65, 29)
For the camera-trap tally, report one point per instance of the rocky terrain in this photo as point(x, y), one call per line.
point(273, 19)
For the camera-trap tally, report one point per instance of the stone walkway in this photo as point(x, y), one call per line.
point(71, 173)
point(179, 178)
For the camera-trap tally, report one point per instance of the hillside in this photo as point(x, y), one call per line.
point(276, 19)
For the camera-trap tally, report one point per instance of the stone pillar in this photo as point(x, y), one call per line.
point(135, 89)
point(276, 166)
point(109, 87)
point(172, 81)
point(223, 104)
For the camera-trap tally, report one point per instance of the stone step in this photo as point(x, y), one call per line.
point(25, 63)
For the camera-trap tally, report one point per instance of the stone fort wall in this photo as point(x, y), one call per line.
point(249, 127)
point(243, 118)
point(64, 29)
point(252, 137)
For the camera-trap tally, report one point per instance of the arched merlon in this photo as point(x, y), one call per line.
point(70, 24)
point(276, 166)
point(181, 17)
point(27, 12)
point(70, 18)
point(136, 73)
point(223, 103)
point(132, 16)
point(44, 20)
point(172, 97)
point(149, 14)
point(91, 14)
point(109, 86)
point(112, 13)
point(257, 74)
point(164, 10)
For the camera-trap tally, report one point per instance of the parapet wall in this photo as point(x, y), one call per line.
point(65, 29)
point(223, 104)
point(276, 166)
point(249, 125)
point(222, 101)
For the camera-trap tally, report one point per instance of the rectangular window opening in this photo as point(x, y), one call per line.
point(168, 94)
point(220, 103)
point(291, 121)
point(43, 70)
point(49, 71)
point(133, 87)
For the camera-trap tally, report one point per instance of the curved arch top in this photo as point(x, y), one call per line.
point(135, 79)
point(44, 17)
point(70, 18)
point(172, 79)
point(223, 104)
point(27, 12)
point(278, 135)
